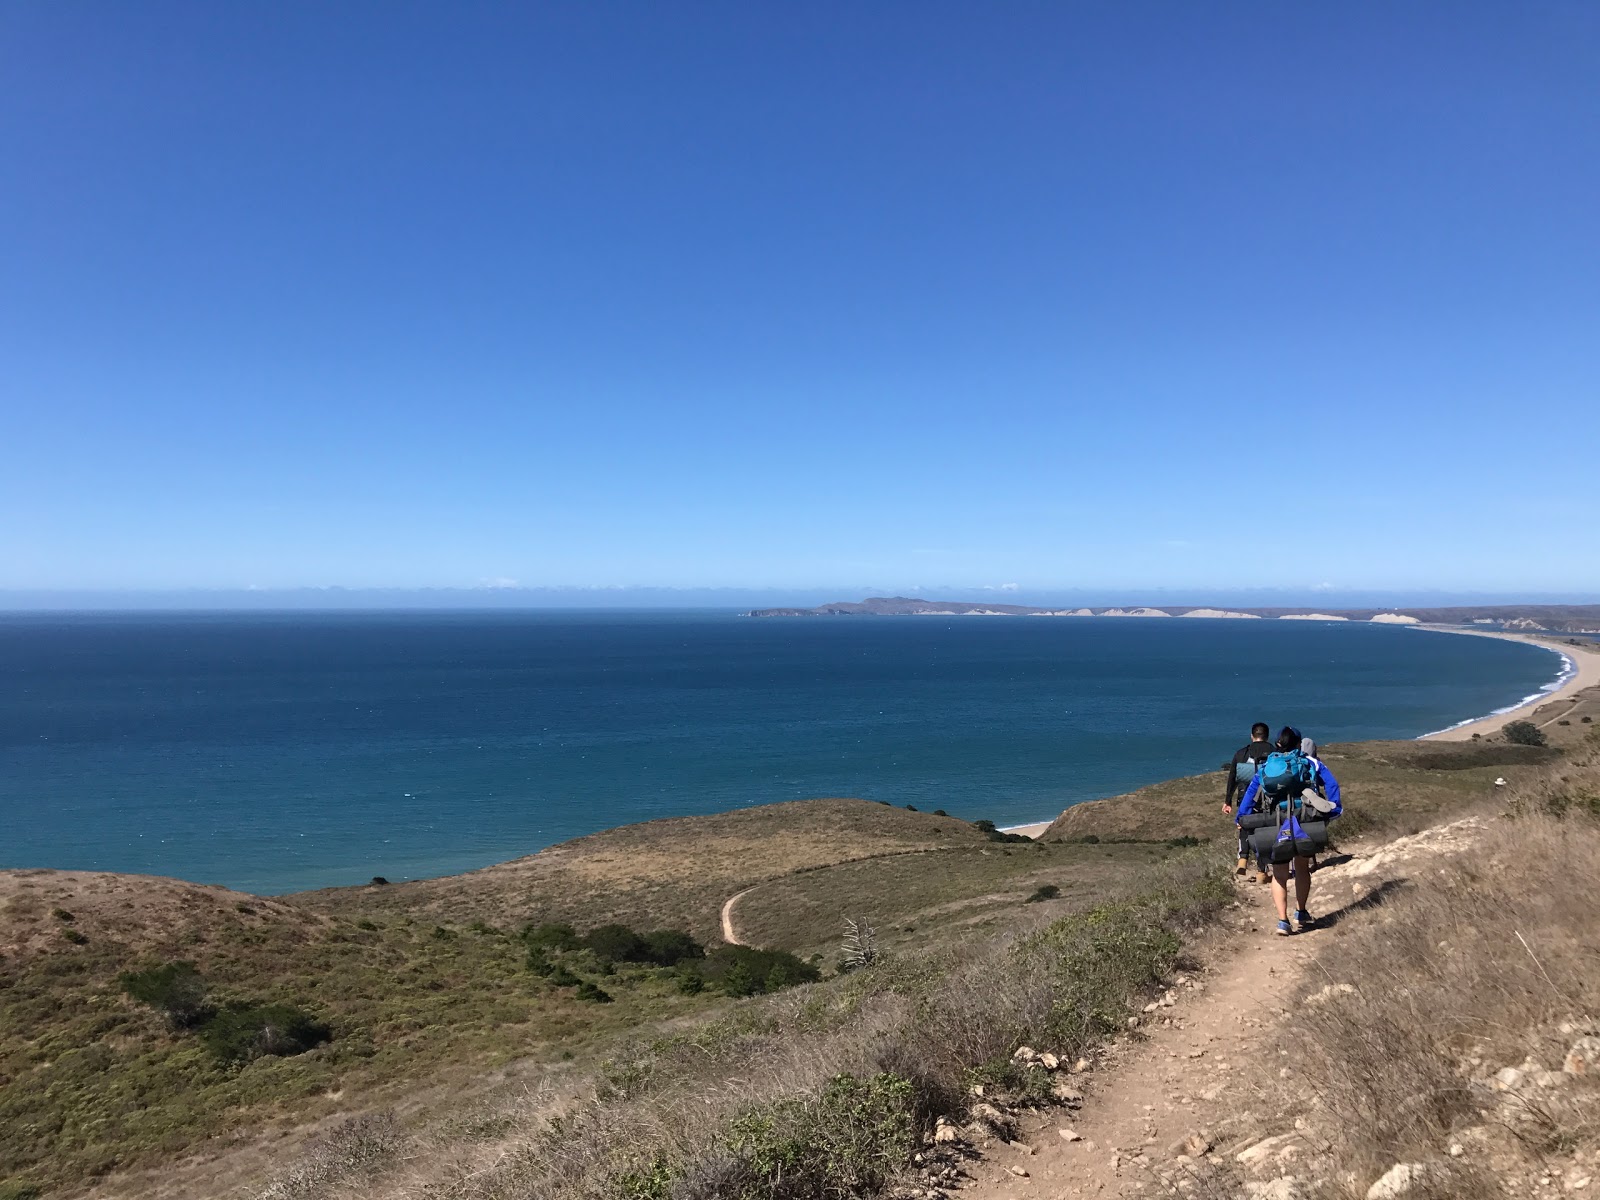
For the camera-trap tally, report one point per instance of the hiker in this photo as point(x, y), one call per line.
point(1287, 807)
point(1240, 772)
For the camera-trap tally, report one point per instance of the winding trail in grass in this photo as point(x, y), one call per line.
point(728, 934)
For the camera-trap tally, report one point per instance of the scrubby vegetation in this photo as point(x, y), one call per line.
point(754, 1076)
point(1524, 733)
point(852, 1071)
point(1446, 1020)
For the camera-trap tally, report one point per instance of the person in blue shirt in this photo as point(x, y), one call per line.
point(1320, 802)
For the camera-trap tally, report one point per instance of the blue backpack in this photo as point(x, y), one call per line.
point(1285, 774)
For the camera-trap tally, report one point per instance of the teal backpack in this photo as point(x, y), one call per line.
point(1285, 774)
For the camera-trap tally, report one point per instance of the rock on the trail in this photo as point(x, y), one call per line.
point(1049, 1061)
point(1066, 1094)
point(1270, 1150)
point(1400, 1180)
point(1584, 1057)
point(944, 1132)
point(1070, 1135)
point(1082, 1065)
point(1286, 1188)
point(1019, 1172)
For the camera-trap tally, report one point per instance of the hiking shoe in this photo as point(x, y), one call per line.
point(1264, 877)
point(1303, 920)
point(1244, 864)
point(1283, 929)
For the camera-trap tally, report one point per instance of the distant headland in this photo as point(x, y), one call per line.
point(1533, 618)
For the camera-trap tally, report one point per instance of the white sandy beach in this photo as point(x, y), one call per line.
point(1586, 673)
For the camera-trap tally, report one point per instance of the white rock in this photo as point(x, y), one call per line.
point(1509, 1078)
point(1273, 1149)
point(1400, 1180)
point(1050, 1061)
point(1070, 1135)
point(1584, 1057)
point(1332, 991)
point(1286, 1188)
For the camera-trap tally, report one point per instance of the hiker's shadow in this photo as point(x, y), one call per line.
point(1376, 898)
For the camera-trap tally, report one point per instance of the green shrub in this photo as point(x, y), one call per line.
point(550, 937)
point(1524, 733)
point(1101, 959)
point(369, 926)
point(379, 881)
point(669, 947)
point(236, 1035)
point(75, 936)
point(19, 1191)
point(849, 1141)
point(747, 971)
point(175, 990)
point(593, 993)
point(62, 914)
point(615, 943)
point(1179, 843)
point(1046, 891)
point(440, 933)
point(691, 982)
point(559, 976)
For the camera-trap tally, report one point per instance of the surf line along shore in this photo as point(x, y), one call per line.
point(1583, 672)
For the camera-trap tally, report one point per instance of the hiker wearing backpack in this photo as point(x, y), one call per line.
point(1286, 809)
point(1241, 771)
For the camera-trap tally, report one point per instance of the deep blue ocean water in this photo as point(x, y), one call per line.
point(278, 752)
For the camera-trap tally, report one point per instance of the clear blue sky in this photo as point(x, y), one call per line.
point(1054, 294)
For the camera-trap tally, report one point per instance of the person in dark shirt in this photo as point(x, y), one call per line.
point(1240, 771)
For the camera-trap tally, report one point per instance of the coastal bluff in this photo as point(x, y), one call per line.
point(1528, 618)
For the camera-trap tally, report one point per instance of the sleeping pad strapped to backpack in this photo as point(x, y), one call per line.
point(1284, 829)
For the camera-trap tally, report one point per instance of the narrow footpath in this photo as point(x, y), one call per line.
point(1197, 1086)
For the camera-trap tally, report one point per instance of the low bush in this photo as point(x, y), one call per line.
point(235, 1035)
point(747, 971)
point(175, 990)
point(1524, 733)
point(1047, 891)
point(848, 1141)
point(551, 936)
point(593, 993)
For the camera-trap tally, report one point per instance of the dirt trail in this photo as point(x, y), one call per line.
point(1201, 1060)
point(727, 916)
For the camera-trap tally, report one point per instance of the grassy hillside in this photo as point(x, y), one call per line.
point(670, 873)
point(433, 1010)
point(1402, 785)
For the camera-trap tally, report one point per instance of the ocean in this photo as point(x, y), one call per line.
point(286, 751)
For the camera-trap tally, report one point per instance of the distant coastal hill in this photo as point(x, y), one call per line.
point(1551, 618)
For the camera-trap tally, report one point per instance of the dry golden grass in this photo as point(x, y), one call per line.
point(1392, 785)
point(661, 874)
point(931, 897)
point(1485, 961)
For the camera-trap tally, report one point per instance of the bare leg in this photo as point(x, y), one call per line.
point(1302, 883)
point(1280, 889)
